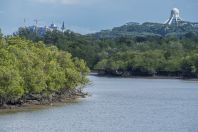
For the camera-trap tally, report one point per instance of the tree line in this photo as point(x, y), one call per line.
point(144, 55)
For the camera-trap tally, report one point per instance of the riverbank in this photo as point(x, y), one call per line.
point(33, 107)
point(143, 77)
point(35, 101)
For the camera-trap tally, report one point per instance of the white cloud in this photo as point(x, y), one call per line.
point(68, 2)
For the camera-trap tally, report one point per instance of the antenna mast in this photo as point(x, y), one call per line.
point(36, 25)
point(36, 22)
point(24, 21)
point(63, 26)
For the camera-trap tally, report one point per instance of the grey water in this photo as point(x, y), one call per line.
point(117, 105)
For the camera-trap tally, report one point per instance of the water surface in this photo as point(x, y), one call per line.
point(117, 105)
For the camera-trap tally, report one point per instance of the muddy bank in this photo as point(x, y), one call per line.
point(35, 101)
point(143, 75)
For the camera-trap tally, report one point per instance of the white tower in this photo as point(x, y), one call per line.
point(174, 18)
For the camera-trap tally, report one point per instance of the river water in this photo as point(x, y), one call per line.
point(117, 105)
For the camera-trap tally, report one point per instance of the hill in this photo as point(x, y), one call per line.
point(133, 29)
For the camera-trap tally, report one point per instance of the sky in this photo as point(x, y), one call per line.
point(88, 16)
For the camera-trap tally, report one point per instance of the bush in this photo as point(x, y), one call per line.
point(33, 68)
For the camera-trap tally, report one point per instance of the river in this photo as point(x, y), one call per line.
point(117, 105)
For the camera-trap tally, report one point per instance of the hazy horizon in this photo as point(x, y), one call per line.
point(90, 15)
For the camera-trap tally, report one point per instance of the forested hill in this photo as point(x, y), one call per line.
point(148, 28)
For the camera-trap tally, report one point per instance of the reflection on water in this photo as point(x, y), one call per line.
point(117, 105)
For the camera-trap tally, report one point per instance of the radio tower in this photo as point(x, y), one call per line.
point(36, 25)
point(24, 21)
point(174, 18)
point(63, 27)
point(36, 22)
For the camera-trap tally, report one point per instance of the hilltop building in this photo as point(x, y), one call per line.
point(41, 31)
point(53, 27)
point(175, 19)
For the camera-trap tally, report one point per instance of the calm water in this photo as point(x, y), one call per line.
point(117, 105)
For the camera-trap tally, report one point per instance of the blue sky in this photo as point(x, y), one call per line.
point(86, 16)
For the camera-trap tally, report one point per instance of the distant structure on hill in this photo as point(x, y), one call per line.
point(174, 17)
point(41, 30)
point(174, 26)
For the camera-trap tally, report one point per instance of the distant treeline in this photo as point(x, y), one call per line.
point(31, 68)
point(148, 28)
point(146, 55)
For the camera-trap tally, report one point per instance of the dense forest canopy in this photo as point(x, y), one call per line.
point(78, 45)
point(34, 68)
point(145, 55)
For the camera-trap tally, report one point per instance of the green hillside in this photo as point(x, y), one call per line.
point(147, 29)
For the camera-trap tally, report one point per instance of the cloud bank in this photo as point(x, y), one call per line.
point(67, 2)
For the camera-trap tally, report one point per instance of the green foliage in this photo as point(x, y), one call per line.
point(10, 84)
point(33, 68)
point(135, 49)
point(190, 65)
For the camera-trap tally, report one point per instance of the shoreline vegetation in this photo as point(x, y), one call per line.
point(102, 74)
point(36, 74)
point(128, 74)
